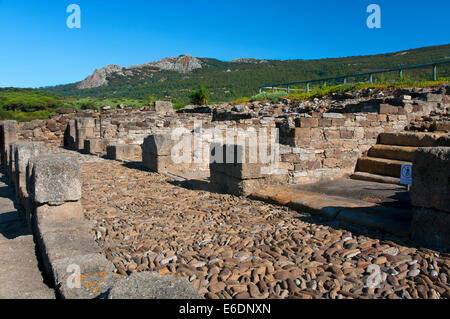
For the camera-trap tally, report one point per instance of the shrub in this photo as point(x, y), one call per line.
point(274, 97)
point(200, 97)
point(178, 106)
point(241, 100)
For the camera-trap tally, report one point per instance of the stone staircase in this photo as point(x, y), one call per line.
point(384, 160)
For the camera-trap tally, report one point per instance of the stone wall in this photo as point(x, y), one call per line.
point(328, 145)
point(49, 189)
point(430, 194)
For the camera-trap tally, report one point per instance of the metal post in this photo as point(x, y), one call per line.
point(287, 89)
point(324, 83)
point(370, 78)
point(307, 86)
point(345, 80)
point(401, 74)
point(435, 72)
point(259, 91)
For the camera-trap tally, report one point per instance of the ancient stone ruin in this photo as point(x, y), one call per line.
point(256, 200)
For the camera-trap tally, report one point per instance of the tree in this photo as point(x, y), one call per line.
point(200, 97)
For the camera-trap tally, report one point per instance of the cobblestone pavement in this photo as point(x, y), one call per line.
point(233, 247)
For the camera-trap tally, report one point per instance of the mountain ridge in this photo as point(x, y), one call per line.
point(174, 77)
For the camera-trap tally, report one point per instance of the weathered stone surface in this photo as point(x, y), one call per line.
point(431, 228)
point(380, 166)
point(93, 145)
point(99, 145)
point(55, 179)
point(163, 107)
point(8, 134)
point(400, 153)
point(124, 152)
point(150, 285)
point(154, 163)
point(231, 247)
point(410, 139)
point(59, 240)
point(23, 153)
point(156, 152)
point(84, 128)
point(444, 140)
point(65, 212)
point(96, 276)
point(431, 178)
point(70, 135)
point(159, 144)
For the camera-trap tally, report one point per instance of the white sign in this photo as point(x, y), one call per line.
point(406, 174)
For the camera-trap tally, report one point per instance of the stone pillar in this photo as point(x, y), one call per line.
point(98, 145)
point(23, 152)
point(124, 152)
point(84, 128)
point(55, 188)
point(93, 146)
point(8, 134)
point(163, 107)
point(55, 179)
point(430, 195)
point(156, 153)
point(234, 169)
point(70, 135)
point(63, 236)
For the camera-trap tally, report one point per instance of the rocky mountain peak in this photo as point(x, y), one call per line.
point(98, 78)
point(183, 63)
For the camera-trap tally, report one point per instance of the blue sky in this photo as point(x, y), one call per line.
point(38, 49)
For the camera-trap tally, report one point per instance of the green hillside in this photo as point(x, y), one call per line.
point(230, 80)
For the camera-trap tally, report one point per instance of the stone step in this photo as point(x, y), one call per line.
point(381, 166)
point(415, 139)
point(363, 176)
point(394, 152)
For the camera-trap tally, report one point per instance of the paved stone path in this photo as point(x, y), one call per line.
point(235, 247)
point(20, 277)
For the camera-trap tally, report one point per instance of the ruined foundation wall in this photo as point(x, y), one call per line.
point(328, 145)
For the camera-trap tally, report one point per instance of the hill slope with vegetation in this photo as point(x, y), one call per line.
point(230, 80)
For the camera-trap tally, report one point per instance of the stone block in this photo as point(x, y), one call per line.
point(70, 135)
point(444, 140)
point(122, 152)
point(24, 152)
point(93, 267)
point(82, 134)
point(243, 187)
point(155, 163)
point(67, 241)
point(302, 133)
point(55, 179)
point(93, 146)
point(11, 166)
point(159, 144)
point(387, 109)
point(431, 178)
point(163, 107)
point(325, 122)
point(151, 285)
point(430, 228)
point(443, 126)
point(84, 128)
point(305, 122)
point(410, 139)
point(8, 134)
point(70, 211)
point(338, 122)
